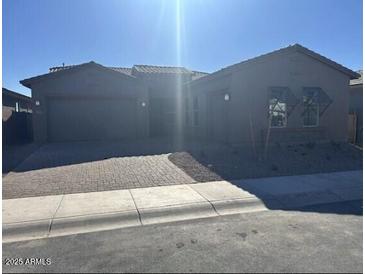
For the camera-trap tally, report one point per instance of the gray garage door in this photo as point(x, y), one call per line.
point(91, 119)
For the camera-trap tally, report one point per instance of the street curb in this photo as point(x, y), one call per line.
point(89, 223)
point(30, 230)
point(237, 206)
point(176, 213)
point(16, 232)
point(26, 230)
point(53, 227)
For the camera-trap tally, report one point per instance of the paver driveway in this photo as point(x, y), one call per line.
point(92, 166)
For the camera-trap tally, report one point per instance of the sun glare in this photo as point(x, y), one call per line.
point(179, 100)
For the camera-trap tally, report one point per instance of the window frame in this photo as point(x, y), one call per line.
point(317, 114)
point(271, 111)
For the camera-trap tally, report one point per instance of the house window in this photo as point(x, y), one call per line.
point(311, 108)
point(16, 106)
point(196, 111)
point(277, 109)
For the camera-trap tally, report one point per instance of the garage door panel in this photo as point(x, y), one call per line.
point(98, 119)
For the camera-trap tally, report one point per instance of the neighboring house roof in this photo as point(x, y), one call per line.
point(357, 81)
point(16, 95)
point(291, 48)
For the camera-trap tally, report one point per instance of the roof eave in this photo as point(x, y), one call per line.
point(295, 47)
point(327, 61)
point(25, 83)
point(29, 81)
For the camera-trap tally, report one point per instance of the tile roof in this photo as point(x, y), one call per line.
point(326, 60)
point(143, 69)
point(118, 69)
point(160, 69)
point(295, 47)
point(122, 70)
point(55, 69)
point(126, 71)
point(198, 74)
point(357, 81)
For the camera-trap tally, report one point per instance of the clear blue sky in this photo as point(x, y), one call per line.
point(39, 34)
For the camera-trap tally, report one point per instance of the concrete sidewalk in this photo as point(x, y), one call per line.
point(49, 216)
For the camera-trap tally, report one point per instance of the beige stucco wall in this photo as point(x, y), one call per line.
point(88, 82)
point(248, 88)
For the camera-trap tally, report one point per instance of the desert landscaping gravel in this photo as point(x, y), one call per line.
point(226, 163)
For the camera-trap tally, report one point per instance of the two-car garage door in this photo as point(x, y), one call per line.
point(91, 119)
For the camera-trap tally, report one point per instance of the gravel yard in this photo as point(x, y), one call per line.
point(225, 163)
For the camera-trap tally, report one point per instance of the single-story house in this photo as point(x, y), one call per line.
point(292, 94)
point(355, 110)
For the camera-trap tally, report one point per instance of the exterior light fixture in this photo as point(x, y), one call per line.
point(143, 104)
point(226, 97)
point(37, 103)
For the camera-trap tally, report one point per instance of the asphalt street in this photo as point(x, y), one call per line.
point(325, 238)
